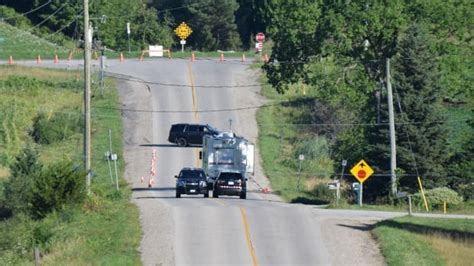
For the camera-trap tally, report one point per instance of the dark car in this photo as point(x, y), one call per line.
point(191, 181)
point(189, 134)
point(230, 183)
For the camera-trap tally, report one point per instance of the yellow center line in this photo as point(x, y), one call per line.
point(248, 236)
point(196, 116)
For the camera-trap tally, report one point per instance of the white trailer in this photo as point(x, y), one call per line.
point(227, 152)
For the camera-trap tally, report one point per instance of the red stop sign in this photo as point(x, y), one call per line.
point(361, 173)
point(260, 37)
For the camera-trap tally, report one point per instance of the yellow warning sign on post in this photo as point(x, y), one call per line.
point(183, 31)
point(362, 171)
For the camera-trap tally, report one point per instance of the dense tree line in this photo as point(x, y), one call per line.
point(216, 24)
point(339, 49)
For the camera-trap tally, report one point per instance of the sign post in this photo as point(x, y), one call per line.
point(260, 38)
point(361, 171)
point(183, 31)
point(128, 33)
point(301, 159)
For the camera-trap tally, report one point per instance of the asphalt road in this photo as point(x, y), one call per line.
point(261, 230)
point(257, 231)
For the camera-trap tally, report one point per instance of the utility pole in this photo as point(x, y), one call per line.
point(87, 98)
point(393, 147)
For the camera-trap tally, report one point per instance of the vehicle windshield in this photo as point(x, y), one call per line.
point(191, 174)
point(230, 176)
point(212, 129)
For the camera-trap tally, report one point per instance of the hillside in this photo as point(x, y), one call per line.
point(23, 45)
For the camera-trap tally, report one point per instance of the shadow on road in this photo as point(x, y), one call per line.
point(156, 197)
point(362, 227)
point(169, 146)
point(154, 189)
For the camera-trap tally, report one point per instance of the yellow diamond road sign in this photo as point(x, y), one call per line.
point(183, 31)
point(362, 171)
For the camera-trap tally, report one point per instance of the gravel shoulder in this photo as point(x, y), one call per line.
point(155, 217)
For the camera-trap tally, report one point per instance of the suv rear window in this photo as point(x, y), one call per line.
point(192, 174)
point(230, 176)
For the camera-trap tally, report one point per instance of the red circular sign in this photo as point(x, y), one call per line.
point(361, 173)
point(260, 37)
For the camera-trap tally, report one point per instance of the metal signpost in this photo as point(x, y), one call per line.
point(128, 33)
point(183, 31)
point(301, 159)
point(361, 171)
point(260, 38)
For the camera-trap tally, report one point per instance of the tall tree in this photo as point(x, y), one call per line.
point(213, 24)
point(421, 135)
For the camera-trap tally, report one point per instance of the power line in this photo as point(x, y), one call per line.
point(28, 12)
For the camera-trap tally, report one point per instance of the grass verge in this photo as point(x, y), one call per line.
point(105, 229)
point(423, 241)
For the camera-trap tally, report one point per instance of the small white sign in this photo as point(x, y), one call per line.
point(182, 42)
point(128, 28)
point(301, 157)
point(155, 50)
point(113, 157)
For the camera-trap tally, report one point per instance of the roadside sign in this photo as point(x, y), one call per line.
point(155, 50)
point(260, 37)
point(362, 171)
point(301, 157)
point(183, 31)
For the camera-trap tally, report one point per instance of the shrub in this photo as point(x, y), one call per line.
point(19, 186)
point(57, 186)
point(437, 196)
point(323, 193)
point(60, 126)
point(316, 152)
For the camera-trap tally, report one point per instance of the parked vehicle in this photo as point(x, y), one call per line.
point(191, 181)
point(190, 134)
point(231, 183)
point(226, 152)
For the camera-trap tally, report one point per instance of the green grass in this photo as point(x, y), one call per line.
point(105, 229)
point(24, 45)
point(416, 241)
point(276, 142)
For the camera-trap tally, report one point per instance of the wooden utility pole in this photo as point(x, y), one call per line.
point(87, 98)
point(393, 147)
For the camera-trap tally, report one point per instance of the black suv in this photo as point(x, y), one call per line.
point(186, 134)
point(191, 181)
point(230, 183)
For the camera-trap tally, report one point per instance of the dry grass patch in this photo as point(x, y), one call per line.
point(454, 252)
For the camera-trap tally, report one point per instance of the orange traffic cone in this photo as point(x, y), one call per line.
point(10, 60)
point(243, 58)
point(151, 182)
point(121, 57)
point(56, 60)
point(38, 60)
point(193, 57)
point(221, 59)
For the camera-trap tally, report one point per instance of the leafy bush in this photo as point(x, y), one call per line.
point(323, 193)
point(316, 152)
point(437, 196)
point(57, 186)
point(58, 127)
